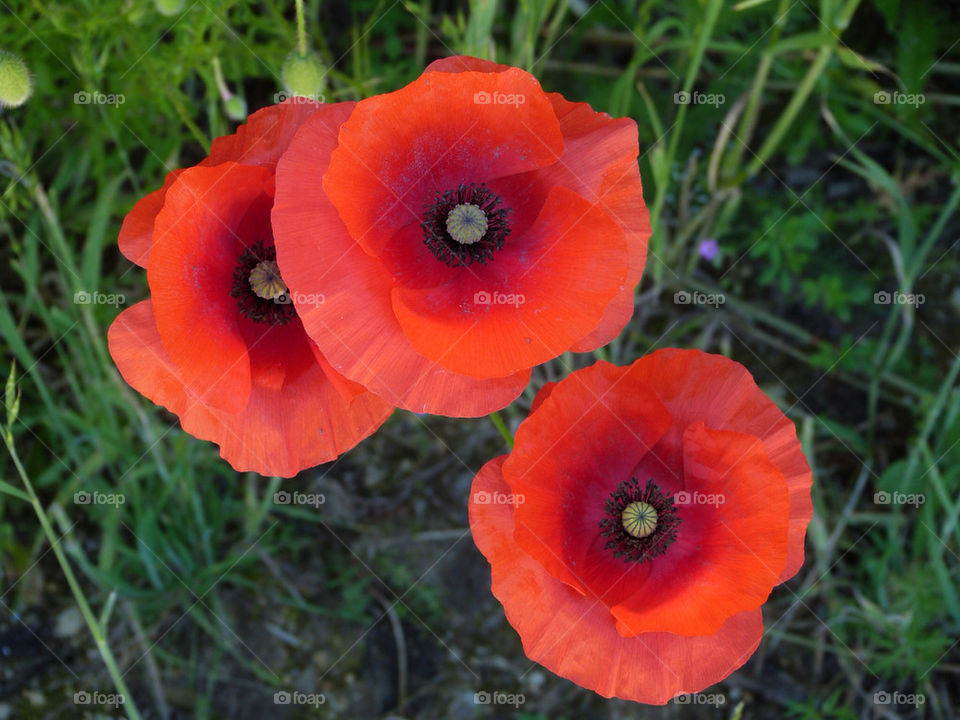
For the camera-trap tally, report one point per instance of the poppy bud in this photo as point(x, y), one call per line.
point(303, 74)
point(236, 108)
point(168, 7)
point(15, 83)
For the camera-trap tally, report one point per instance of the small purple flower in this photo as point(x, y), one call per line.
point(709, 249)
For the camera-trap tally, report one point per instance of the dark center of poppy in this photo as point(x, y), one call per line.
point(465, 225)
point(261, 293)
point(641, 523)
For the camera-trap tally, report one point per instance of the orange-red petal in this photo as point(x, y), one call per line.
point(280, 431)
point(199, 236)
point(399, 149)
point(568, 457)
point(600, 163)
point(343, 295)
point(136, 232)
point(260, 141)
point(731, 545)
point(575, 636)
point(560, 274)
point(699, 386)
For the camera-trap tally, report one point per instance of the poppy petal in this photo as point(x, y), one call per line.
point(731, 544)
point(564, 488)
point(600, 163)
point(279, 432)
point(343, 295)
point(441, 135)
point(190, 274)
point(260, 141)
point(561, 275)
point(734, 402)
point(136, 232)
point(575, 636)
point(464, 63)
point(265, 136)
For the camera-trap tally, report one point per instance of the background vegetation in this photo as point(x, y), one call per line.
point(206, 597)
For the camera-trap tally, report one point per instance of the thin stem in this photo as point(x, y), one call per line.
point(301, 29)
point(502, 427)
point(96, 630)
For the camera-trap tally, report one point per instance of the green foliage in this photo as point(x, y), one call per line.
point(819, 197)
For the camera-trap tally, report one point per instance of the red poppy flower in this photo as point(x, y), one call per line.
point(219, 343)
point(464, 229)
point(642, 519)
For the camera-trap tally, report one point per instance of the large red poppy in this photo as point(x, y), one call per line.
point(642, 519)
point(463, 229)
point(219, 343)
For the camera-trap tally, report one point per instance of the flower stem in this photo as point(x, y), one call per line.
point(301, 29)
point(502, 427)
point(96, 629)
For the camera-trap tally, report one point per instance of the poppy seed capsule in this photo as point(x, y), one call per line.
point(639, 519)
point(265, 280)
point(467, 224)
point(261, 293)
point(15, 84)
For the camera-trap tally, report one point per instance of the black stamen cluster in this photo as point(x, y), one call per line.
point(277, 311)
point(625, 545)
point(448, 250)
